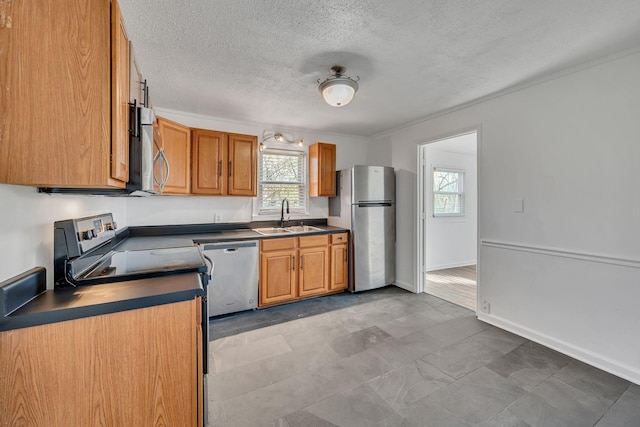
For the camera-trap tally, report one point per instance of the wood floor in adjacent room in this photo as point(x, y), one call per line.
point(456, 285)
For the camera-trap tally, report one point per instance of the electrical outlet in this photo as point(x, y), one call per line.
point(486, 307)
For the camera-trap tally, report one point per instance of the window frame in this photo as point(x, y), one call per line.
point(461, 193)
point(302, 184)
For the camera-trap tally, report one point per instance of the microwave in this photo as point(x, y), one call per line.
point(148, 165)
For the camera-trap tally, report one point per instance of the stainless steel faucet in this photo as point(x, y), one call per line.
point(282, 221)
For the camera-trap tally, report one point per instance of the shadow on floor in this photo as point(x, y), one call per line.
point(226, 325)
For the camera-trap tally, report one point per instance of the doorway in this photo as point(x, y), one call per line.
point(448, 220)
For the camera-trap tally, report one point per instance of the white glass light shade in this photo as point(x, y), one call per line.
point(338, 91)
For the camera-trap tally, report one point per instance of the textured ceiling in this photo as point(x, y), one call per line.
point(259, 60)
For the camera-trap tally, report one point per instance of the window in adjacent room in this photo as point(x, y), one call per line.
point(282, 175)
point(448, 192)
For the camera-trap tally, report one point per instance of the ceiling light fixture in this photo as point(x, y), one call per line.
point(278, 137)
point(338, 89)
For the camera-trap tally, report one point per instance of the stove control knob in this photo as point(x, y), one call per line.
point(87, 235)
point(93, 233)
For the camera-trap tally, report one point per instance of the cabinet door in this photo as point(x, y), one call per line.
point(277, 276)
point(243, 165)
point(55, 101)
point(176, 143)
point(327, 170)
point(313, 276)
point(121, 370)
point(208, 162)
point(322, 170)
point(120, 96)
point(339, 267)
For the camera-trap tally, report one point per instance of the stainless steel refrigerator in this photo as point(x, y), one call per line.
point(366, 204)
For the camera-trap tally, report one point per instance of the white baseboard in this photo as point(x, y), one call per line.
point(613, 367)
point(453, 265)
point(406, 286)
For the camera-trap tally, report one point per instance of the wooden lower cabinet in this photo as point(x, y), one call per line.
point(313, 277)
point(339, 277)
point(139, 367)
point(293, 268)
point(277, 276)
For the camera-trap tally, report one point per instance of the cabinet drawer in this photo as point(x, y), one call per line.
point(339, 238)
point(309, 241)
point(278, 244)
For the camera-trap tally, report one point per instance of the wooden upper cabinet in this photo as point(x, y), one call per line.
point(243, 165)
point(322, 170)
point(224, 163)
point(208, 161)
point(56, 97)
point(176, 144)
point(120, 96)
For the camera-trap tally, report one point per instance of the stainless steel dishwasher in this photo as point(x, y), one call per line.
point(234, 279)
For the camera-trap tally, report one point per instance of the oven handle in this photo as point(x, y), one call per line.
point(205, 325)
point(209, 262)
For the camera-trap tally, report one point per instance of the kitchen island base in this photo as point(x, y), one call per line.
point(139, 367)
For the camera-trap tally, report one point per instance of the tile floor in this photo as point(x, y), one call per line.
point(390, 358)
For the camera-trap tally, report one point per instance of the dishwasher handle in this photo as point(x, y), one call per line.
point(230, 250)
point(233, 246)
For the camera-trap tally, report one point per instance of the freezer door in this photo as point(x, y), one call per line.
point(373, 246)
point(373, 183)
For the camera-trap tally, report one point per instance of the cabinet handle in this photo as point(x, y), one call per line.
point(229, 167)
point(293, 263)
point(220, 168)
point(345, 256)
point(301, 262)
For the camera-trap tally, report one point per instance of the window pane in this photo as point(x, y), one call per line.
point(447, 204)
point(273, 194)
point(448, 194)
point(446, 181)
point(283, 168)
point(282, 175)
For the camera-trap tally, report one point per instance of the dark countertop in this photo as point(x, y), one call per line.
point(141, 242)
point(59, 305)
point(86, 301)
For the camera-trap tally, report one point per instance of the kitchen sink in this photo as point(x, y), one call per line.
point(302, 228)
point(287, 230)
point(272, 230)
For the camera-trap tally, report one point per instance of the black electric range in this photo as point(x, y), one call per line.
point(86, 253)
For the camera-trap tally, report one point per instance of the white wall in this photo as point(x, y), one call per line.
point(26, 225)
point(566, 272)
point(450, 241)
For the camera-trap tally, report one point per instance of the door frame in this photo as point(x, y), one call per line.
point(422, 215)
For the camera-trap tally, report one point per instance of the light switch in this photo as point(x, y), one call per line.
point(518, 205)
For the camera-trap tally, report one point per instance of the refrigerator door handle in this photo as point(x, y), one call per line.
point(374, 204)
